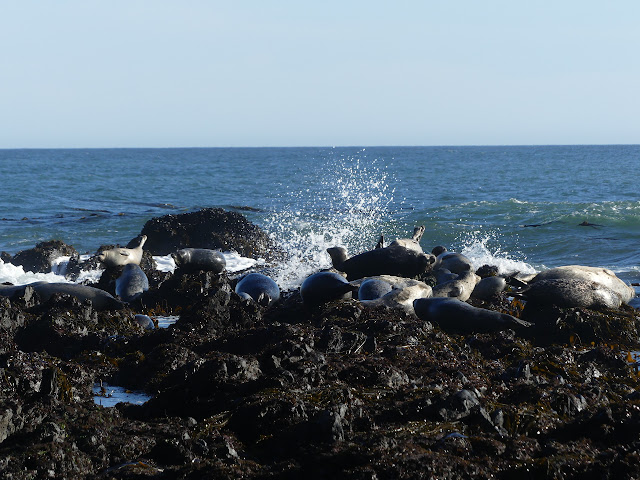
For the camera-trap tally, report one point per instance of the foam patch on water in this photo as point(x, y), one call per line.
point(347, 207)
point(16, 275)
point(478, 251)
point(235, 262)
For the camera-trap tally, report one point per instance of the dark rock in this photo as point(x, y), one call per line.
point(212, 228)
point(40, 258)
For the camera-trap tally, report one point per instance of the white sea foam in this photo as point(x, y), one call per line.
point(16, 275)
point(235, 262)
point(480, 254)
point(349, 209)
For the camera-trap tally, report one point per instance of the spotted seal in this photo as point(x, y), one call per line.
point(454, 315)
point(459, 288)
point(259, 288)
point(599, 275)
point(195, 259)
point(120, 256)
point(131, 283)
point(570, 293)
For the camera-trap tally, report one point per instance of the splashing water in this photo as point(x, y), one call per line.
point(476, 248)
point(349, 206)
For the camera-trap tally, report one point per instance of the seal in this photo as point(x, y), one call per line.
point(570, 293)
point(459, 288)
point(323, 287)
point(122, 256)
point(195, 259)
point(402, 257)
point(454, 262)
point(100, 299)
point(401, 298)
point(489, 287)
point(453, 315)
point(131, 283)
point(145, 321)
point(599, 275)
point(259, 288)
point(443, 275)
point(372, 288)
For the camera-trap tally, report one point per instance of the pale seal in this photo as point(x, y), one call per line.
point(122, 256)
point(601, 276)
point(570, 293)
point(195, 259)
point(323, 287)
point(459, 288)
point(259, 288)
point(402, 257)
point(454, 315)
point(401, 298)
point(131, 283)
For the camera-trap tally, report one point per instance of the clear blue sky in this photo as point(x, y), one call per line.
point(153, 73)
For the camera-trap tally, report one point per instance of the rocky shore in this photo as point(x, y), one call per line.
point(288, 391)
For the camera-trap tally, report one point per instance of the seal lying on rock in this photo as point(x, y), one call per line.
point(100, 299)
point(570, 293)
point(195, 259)
point(489, 287)
point(323, 287)
point(454, 262)
point(459, 288)
point(259, 288)
point(401, 297)
point(454, 315)
point(122, 256)
point(372, 288)
point(402, 257)
point(131, 283)
point(601, 276)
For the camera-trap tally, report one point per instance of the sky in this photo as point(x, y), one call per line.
point(196, 73)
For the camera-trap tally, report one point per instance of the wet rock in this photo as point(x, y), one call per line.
point(40, 258)
point(212, 228)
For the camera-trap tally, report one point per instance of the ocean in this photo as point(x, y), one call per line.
point(522, 208)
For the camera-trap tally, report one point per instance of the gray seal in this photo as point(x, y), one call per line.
point(454, 315)
point(601, 276)
point(403, 257)
point(459, 288)
point(454, 262)
point(259, 288)
point(100, 299)
point(489, 287)
point(131, 283)
point(372, 288)
point(122, 256)
point(569, 293)
point(195, 259)
point(145, 322)
point(324, 287)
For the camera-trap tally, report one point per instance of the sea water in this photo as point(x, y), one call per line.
point(522, 208)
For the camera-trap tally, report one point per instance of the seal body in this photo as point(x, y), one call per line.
point(258, 287)
point(601, 276)
point(454, 262)
point(144, 321)
point(195, 259)
point(402, 298)
point(570, 294)
point(372, 288)
point(454, 315)
point(459, 288)
point(323, 287)
point(131, 283)
point(122, 256)
point(489, 287)
point(100, 299)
